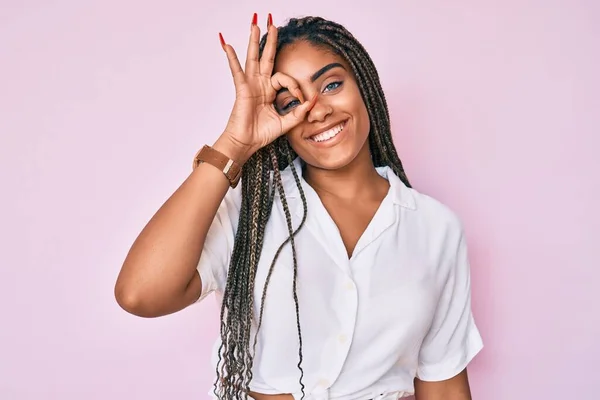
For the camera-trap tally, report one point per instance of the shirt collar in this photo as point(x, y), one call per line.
point(402, 195)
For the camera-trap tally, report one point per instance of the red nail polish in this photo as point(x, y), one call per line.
point(255, 19)
point(269, 20)
point(222, 40)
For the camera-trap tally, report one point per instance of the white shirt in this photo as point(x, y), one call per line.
point(400, 307)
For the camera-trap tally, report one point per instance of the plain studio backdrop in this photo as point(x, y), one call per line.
point(495, 111)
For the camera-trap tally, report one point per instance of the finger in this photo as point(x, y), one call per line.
point(297, 115)
point(267, 61)
point(234, 63)
point(280, 80)
point(252, 55)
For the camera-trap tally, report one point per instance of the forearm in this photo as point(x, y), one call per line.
point(157, 273)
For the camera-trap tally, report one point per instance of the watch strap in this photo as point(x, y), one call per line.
point(229, 167)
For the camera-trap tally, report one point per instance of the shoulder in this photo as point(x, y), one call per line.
point(441, 229)
point(432, 216)
point(437, 231)
point(436, 213)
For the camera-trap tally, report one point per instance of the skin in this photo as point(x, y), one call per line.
point(159, 275)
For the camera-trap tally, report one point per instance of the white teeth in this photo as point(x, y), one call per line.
point(321, 137)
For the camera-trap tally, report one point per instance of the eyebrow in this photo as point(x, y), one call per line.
point(318, 74)
point(326, 68)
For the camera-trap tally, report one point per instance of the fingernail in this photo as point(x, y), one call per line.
point(222, 40)
point(269, 20)
point(255, 19)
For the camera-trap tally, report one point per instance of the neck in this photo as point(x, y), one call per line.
point(357, 179)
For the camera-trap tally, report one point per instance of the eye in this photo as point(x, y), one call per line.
point(333, 86)
point(289, 105)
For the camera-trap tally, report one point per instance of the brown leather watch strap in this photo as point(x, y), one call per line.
point(229, 167)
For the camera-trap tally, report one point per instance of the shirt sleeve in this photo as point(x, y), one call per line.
point(453, 339)
point(218, 245)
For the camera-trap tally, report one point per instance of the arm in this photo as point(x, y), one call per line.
point(456, 388)
point(159, 274)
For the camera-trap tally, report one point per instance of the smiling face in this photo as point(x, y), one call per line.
point(335, 131)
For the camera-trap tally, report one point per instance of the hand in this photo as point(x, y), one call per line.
point(254, 122)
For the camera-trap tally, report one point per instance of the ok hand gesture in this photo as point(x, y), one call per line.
point(254, 122)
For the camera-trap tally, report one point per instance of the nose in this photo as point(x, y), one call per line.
point(320, 111)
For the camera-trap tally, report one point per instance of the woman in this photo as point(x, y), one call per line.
point(337, 279)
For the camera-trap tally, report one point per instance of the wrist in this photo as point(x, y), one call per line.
point(238, 152)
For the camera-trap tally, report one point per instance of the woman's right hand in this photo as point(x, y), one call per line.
point(254, 122)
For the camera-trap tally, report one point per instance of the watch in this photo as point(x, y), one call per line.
point(229, 167)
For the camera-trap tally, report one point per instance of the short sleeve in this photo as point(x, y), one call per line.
point(453, 339)
point(218, 245)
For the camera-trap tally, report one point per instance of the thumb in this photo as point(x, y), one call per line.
point(297, 115)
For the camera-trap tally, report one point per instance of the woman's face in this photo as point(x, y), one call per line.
point(336, 129)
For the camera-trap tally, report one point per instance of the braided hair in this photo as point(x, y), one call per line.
point(260, 179)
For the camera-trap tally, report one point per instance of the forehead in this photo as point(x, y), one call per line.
point(302, 59)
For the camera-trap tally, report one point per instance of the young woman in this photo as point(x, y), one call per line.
point(337, 279)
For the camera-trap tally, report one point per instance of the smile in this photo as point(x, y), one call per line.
point(328, 134)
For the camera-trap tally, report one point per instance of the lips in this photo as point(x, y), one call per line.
point(328, 134)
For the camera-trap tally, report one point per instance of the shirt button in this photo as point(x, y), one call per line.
point(350, 285)
point(342, 338)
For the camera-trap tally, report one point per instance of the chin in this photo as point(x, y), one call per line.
point(331, 163)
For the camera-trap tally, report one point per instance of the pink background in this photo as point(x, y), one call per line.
point(495, 110)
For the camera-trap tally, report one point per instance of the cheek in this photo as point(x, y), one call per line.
point(294, 137)
point(363, 122)
point(357, 107)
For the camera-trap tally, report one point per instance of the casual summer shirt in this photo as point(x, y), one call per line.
point(398, 308)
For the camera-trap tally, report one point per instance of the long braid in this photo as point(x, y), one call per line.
point(261, 178)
